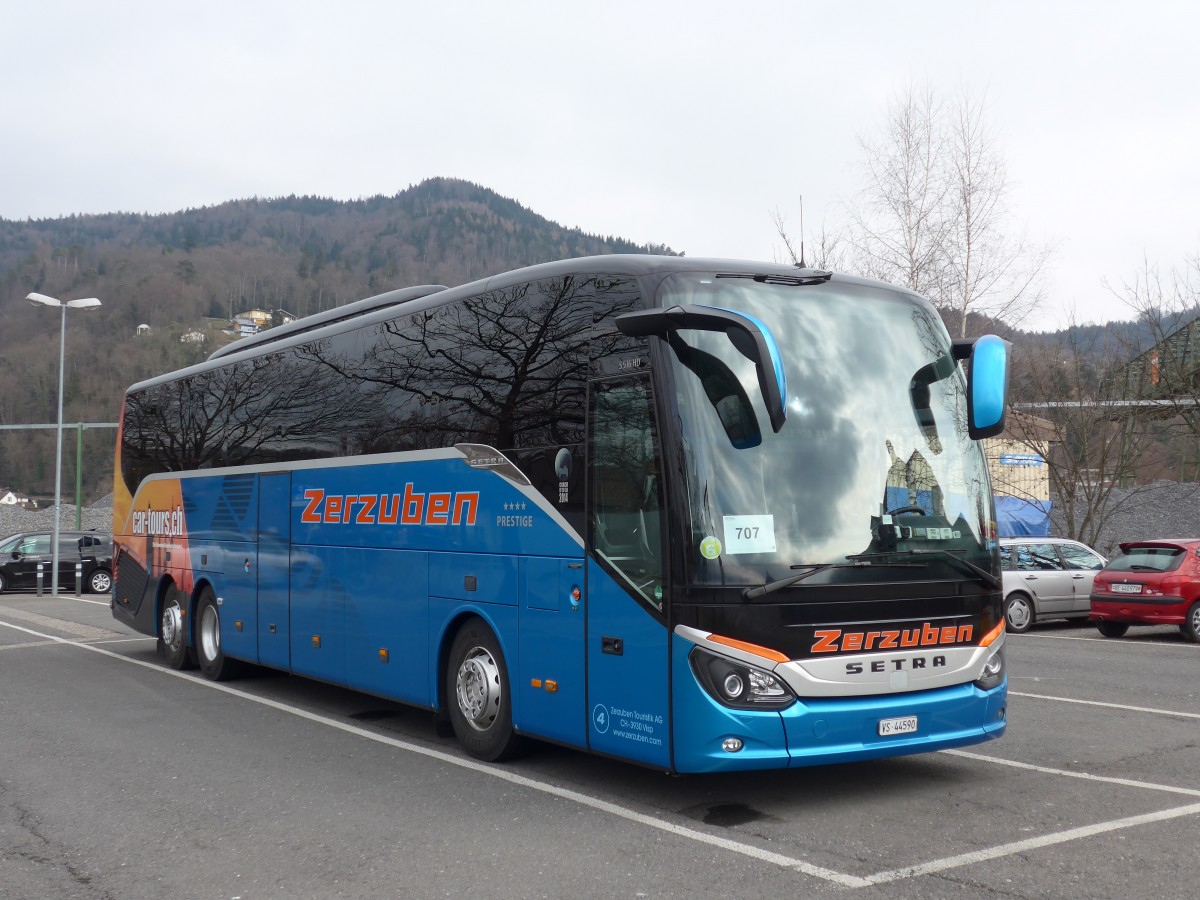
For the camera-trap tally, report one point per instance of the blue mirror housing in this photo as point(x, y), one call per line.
point(987, 387)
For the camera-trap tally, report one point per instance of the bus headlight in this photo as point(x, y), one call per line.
point(738, 685)
point(993, 671)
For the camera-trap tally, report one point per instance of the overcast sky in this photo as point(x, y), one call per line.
point(685, 123)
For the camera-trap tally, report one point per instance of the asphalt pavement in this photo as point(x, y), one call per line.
point(121, 778)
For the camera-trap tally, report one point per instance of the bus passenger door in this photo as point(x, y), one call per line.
point(274, 565)
point(627, 638)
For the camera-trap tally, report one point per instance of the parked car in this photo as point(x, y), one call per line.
point(21, 553)
point(1046, 578)
point(1151, 583)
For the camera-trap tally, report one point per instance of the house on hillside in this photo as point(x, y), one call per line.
point(9, 497)
point(255, 320)
point(1020, 476)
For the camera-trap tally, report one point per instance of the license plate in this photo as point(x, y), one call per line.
point(900, 725)
point(1127, 588)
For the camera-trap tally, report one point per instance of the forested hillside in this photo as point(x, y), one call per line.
point(192, 270)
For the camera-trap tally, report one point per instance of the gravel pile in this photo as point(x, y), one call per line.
point(1164, 509)
point(14, 519)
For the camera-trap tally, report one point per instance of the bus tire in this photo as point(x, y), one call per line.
point(213, 662)
point(172, 632)
point(478, 696)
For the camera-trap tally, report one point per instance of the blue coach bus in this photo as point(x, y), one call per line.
point(701, 515)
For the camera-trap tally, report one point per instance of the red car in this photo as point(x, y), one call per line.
point(1151, 583)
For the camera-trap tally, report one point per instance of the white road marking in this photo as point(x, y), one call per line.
point(1073, 834)
point(1066, 773)
point(85, 600)
point(1143, 709)
point(1114, 642)
point(777, 859)
point(786, 862)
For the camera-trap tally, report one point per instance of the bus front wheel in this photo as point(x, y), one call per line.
point(477, 695)
point(213, 662)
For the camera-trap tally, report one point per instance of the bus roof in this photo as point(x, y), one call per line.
point(381, 306)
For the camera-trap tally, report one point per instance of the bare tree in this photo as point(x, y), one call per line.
point(828, 251)
point(1100, 451)
point(898, 224)
point(1163, 374)
point(987, 270)
point(933, 214)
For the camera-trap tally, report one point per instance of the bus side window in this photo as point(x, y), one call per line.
point(626, 484)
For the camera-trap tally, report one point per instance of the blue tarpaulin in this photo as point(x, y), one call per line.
point(1022, 518)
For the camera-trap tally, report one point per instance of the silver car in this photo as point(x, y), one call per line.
point(1046, 578)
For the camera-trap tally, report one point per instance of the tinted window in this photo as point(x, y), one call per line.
point(34, 544)
point(627, 485)
point(1080, 557)
point(507, 369)
point(1037, 557)
point(1158, 559)
point(1008, 558)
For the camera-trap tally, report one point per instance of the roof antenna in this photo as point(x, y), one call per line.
point(801, 264)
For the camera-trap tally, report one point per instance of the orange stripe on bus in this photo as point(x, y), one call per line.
point(992, 636)
point(765, 652)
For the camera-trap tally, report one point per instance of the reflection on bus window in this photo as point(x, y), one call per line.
point(626, 485)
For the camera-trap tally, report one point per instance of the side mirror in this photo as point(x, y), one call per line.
point(752, 338)
point(987, 387)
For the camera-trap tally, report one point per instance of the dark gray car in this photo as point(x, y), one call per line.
point(1046, 578)
point(22, 553)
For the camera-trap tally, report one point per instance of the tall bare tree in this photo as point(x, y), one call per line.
point(988, 269)
point(1163, 374)
point(1101, 450)
point(899, 221)
point(933, 213)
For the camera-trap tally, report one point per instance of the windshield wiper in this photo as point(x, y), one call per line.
point(813, 568)
point(982, 575)
point(772, 587)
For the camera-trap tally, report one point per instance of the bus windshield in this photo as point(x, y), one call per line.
point(872, 475)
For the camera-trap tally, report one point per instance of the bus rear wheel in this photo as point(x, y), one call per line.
point(478, 697)
point(172, 634)
point(213, 662)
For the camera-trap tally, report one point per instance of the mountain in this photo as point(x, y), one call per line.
point(160, 277)
point(171, 272)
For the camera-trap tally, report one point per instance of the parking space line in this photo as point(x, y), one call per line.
point(1112, 642)
point(1067, 773)
point(786, 862)
point(27, 644)
point(1142, 709)
point(85, 600)
point(1046, 840)
point(797, 865)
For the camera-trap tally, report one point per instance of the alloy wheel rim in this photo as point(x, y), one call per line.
point(477, 686)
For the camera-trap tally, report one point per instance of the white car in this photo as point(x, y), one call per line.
point(1046, 578)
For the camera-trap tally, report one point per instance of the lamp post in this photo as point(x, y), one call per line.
point(86, 303)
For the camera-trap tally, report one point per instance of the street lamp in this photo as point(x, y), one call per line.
point(86, 303)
